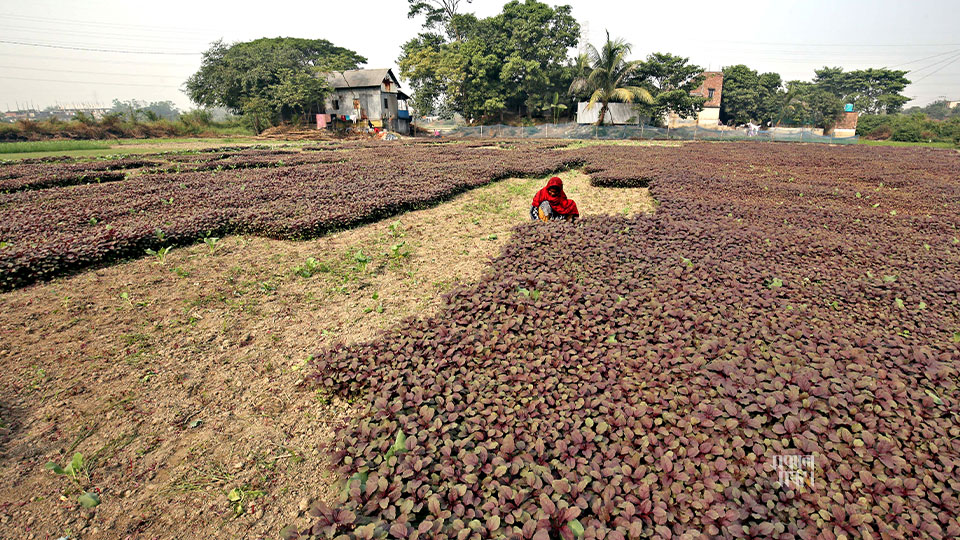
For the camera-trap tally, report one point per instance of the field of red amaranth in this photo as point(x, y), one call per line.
point(773, 354)
point(648, 377)
point(102, 215)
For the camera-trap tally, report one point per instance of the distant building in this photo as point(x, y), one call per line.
point(368, 95)
point(59, 113)
point(952, 104)
point(846, 126)
point(711, 89)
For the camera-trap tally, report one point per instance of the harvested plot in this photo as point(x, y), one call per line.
point(671, 378)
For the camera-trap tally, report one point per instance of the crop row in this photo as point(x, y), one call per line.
point(654, 381)
point(50, 232)
point(41, 173)
point(23, 177)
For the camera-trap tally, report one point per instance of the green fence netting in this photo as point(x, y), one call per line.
point(639, 132)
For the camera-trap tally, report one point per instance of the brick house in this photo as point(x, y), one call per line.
point(710, 89)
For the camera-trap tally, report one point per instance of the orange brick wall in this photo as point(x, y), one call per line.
point(713, 79)
point(847, 121)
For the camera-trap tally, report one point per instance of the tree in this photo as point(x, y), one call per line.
point(609, 74)
point(533, 39)
point(440, 14)
point(741, 95)
point(937, 110)
point(514, 60)
point(297, 91)
point(266, 70)
point(810, 104)
point(873, 91)
point(153, 111)
point(421, 63)
point(770, 94)
point(670, 79)
point(749, 96)
point(556, 107)
point(580, 69)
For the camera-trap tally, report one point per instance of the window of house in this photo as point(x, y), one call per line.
point(336, 104)
point(710, 93)
point(386, 104)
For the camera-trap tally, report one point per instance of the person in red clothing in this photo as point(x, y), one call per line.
point(551, 203)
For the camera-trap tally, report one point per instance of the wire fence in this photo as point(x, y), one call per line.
point(638, 132)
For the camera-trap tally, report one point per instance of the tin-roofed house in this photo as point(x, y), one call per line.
point(372, 95)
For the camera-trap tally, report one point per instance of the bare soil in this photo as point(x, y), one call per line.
point(180, 381)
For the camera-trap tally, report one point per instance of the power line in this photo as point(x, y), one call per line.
point(932, 65)
point(955, 58)
point(73, 60)
point(84, 72)
point(95, 50)
point(89, 82)
point(807, 44)
point(32, 32)
point(924, 58)
point(74, 23)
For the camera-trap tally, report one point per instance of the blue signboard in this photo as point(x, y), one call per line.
point(848, 107)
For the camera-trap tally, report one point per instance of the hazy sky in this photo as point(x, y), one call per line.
point(789, 37)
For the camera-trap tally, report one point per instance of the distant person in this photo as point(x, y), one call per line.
point(551, 203)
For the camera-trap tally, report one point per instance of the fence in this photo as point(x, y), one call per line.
point(640, 132)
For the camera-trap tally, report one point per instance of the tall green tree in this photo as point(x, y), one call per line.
point(424, 63)
point(533, 39)
point(669, 79)
point(873, 91)
point(741, 95)
point(511, 61)
point(771, 93)
point(749, 96)
point(808, 104)
point(267, 70)
point(609, 77)
point(439, 14)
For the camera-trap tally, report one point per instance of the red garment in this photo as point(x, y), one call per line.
point(560, 204)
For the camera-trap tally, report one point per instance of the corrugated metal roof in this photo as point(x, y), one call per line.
point(359, 78)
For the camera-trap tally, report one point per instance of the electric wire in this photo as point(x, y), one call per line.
point(92, 82)
point(937, 63)
point(922, 59)
point(955, 58)
point(74, 23)
point(96, 50)
point(85, 72)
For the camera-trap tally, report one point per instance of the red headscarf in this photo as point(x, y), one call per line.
point(560, 204)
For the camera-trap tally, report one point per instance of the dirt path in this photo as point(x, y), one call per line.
point(178, 382)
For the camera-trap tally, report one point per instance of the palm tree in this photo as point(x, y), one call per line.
point(608, 72)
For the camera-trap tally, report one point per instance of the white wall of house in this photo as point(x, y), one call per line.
point(341, 101)
point(378, 105)
point(708, 117)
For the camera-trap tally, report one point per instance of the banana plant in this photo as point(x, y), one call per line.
point(556, 107)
